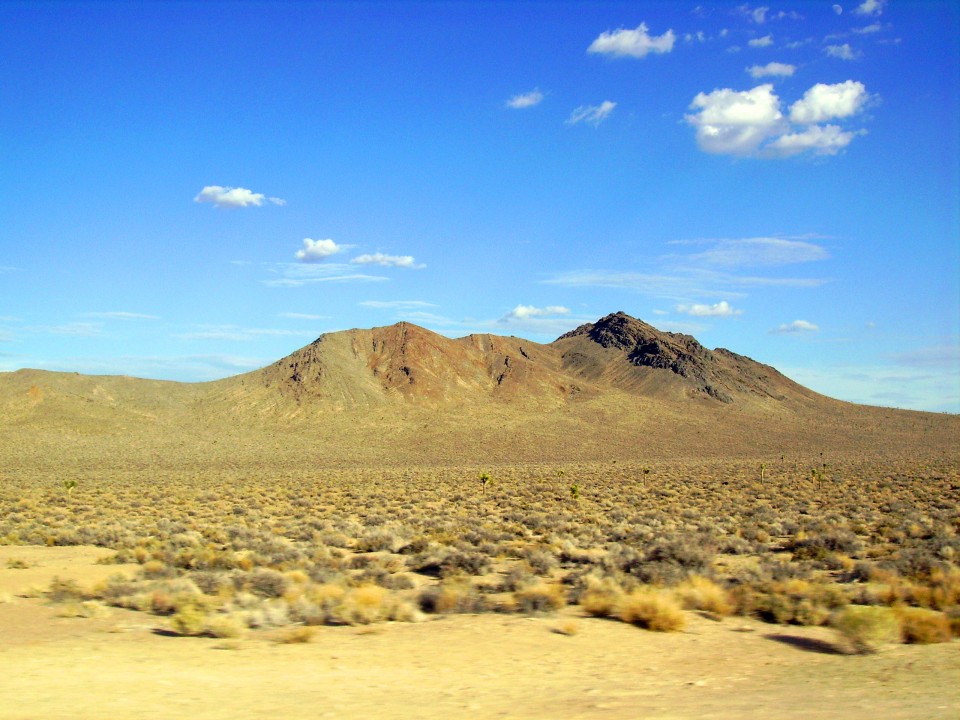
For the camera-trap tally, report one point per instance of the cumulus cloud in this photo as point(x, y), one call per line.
point(827, 102)
point(736, 123)
point(795, 328)
point(765, 41)
point(592, 114)
point(773, 68)
point(870, 7)
point(751, 122)
point(843, 52)
point(402, 261)
point(230, 197)
point(720, 309)
point(525, 100)
point(820, 139)
point(635, 43)
point(317, 250)
point(524, 312)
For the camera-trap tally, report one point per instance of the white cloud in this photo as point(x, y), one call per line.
point(736, 123)
point(759, 251)
point(402, 261)
point(720, 309)
point(868, 29)
point(396, 304)
point(229, 197)
point(123, 315)
point(826, 102)
point(794, 328)
point(75, 329)
point(632, 43)
point(843, 52)
point(592, 114)
point(317, 250)
point(303, 316)
point(759, 15)
point(821, 139)
point(523, 312)
point(525, 100)
point(232, 332)
point(750, 122)
point(870, 7)
point(773, 68)
point(765, 41)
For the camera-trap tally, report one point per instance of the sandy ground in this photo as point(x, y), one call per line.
point(487, 666)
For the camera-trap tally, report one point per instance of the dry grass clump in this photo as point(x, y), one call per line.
point(540, 597)
point(700, 593)
point(866, 629)
point(922, 626)
point(652, 609)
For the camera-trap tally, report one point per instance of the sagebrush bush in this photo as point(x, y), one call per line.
point(865, 628)
point(922, 626)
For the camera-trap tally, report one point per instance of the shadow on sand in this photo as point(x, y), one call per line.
point(807, 644)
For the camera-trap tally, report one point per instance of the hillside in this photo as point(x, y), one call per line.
point(616, 388)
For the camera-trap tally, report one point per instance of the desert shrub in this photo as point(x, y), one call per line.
point(296, 635)
point(865, 629)
point(188, 620)
point(601, 598)
point(266, 583)
point(700, 593)
point(64, 590)
point(541, 561)
point(224, 625)
point(451, 597)
point(651, 609)
point(540, 597)
point(922, 626)
point(473, 563)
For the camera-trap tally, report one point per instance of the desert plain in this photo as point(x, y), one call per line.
point(389, 523)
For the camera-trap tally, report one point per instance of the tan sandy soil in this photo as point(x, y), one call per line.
point(485, 666)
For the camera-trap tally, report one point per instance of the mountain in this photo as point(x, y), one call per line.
point(617, 387)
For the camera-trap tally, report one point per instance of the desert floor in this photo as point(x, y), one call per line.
point(122, 665)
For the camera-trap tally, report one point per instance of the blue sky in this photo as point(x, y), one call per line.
point(192, 190)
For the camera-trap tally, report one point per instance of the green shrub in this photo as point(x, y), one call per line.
point(866, 628)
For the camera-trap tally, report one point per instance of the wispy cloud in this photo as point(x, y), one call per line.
point(592, 114)
point(76, 329)
point(761, 42)
point(797, 327)
point(757, 252)
point(299, 274)
point(523, 312)
point(720, 309)
point(396, 304)
point(401, 261)
point(772, 69)
point(120, 315)
point(525, 100)
point(302, 316)
point(843, 52)
point(233, 197)
point(636, 43)
point(241, 334)
point(870, 7)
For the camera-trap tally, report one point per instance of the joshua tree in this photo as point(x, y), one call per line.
point(763, 467)
point(575, 491)
point(484, 481)
point(69, 485)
